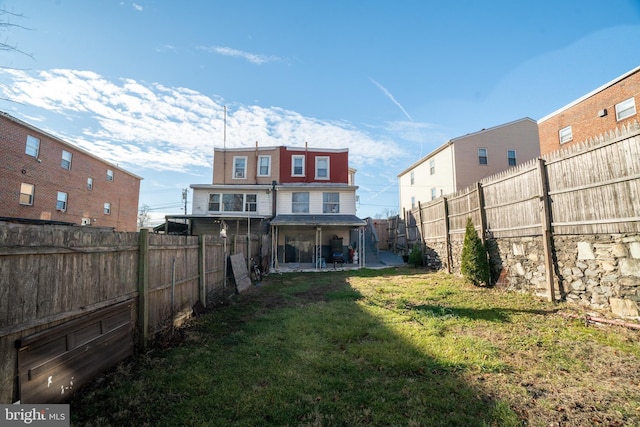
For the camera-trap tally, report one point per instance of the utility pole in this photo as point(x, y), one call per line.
point(184, 198)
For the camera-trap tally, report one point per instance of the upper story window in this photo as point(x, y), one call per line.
point(233, 202)
point(412, 177)
point(432, 167)
point(61, 201)
point(89, 183)
point(413, 202)
point(66, 160)
point(264, 165)
point(330, 202)
point(482, 156)
point(107, 209)
point(322, 167)
point(300, 202)
point(109, 175)
point(33, 146)
point(626, 109)
point(297, 165)
point(434, 193)
point(240, 167)
point(565, 134)
point(26, 193)
point(511, 157)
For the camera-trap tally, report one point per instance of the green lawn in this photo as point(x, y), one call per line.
point(394, 347)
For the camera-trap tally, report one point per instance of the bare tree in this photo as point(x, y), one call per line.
point(143, 216)
point(6, 25)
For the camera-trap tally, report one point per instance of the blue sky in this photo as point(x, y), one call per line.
point(143, 84)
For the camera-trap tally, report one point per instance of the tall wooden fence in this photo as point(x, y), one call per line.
point(592, 188)
point(52, 274)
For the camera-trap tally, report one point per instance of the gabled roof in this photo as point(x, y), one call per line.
point(590, 94)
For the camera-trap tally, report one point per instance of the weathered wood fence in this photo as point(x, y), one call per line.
point(52, 274)
point(578, 208)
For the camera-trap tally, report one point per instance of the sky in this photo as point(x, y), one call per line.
point(145, 84)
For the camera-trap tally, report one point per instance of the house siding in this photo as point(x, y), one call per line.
point(338, 165)
point(583, 114)
point(223, 173)
point(49, 178)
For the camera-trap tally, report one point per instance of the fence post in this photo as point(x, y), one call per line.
point(546, 227)
point(483, 216)
point(143, 286)
point(421, 233)
point(447, 240)
point(202, 271)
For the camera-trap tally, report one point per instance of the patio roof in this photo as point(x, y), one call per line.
point(318, 220)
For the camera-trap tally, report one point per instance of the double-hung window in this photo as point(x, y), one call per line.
point(300, 202)
point(61, 201)
point(109, 175)
point(322, 167)
point(297, 165)
point(330, 202)
point(482, 156)
point(432, 167)
point(250, 203)
point(89, 183)
point(240, 167)
point(434, 193)
point(511, 157)
point(412, 177)
point(107, 209)
point(264, 165)
point(66, 160)
point(626, 109)
point(33, 146)
point(26, 194)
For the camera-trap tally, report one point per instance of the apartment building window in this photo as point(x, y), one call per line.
point(565, 134)
point(66, 160)
point(300, 202)
point(33, 146)
point(264, 166)
point(412, 177)
point(322, 167)
point(413, 202)
point(89, 183)
point(251, 203)
point(297, 165)
point(26, 194)
point(61, 201)
point(626, 109)
point(233, 202)
point(330, 202)
point(432, 166)
point(511, 157)
point(240, 167)
point(109, 175)
point(433, 193)
point(482, 156)
point(107, 208)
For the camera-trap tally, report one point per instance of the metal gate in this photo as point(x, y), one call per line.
point(52, 364)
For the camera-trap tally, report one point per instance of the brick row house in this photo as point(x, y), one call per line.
point(298, 203)
point(602, 110)
point(50, 181)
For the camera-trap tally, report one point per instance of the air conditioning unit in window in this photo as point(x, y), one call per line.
point(239, 175)
point(61, 210)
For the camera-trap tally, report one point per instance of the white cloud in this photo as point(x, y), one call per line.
point(137, 7)
point(173, 128)
point(251, 57)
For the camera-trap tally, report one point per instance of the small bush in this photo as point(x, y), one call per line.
point(474, 265)
point(415, 257)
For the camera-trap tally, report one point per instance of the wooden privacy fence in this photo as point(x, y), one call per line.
point(50, 275)
point(590, 188)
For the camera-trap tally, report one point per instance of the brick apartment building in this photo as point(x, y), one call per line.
point(602, 110)
point(47, 179)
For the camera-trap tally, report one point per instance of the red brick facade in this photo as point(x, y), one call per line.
point(48, 177)
point(592, 115)
point(338, 166)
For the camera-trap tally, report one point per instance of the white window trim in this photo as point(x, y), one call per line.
point(565, 134)
point(221, 202)
point(326, 204)
point(89, 183)
point(244, 171)
point(63, 200)
point(293, 163)
point(109, 175)
point(36, 143)
point(268, 166)
point(30, 194)
point(515, 157)
point(486, 156)
point(308, 202)
point(625, 109)
point(412, 177)
point(432, 167)
point(106, 208)
point(324, 178)
point(69, 160)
